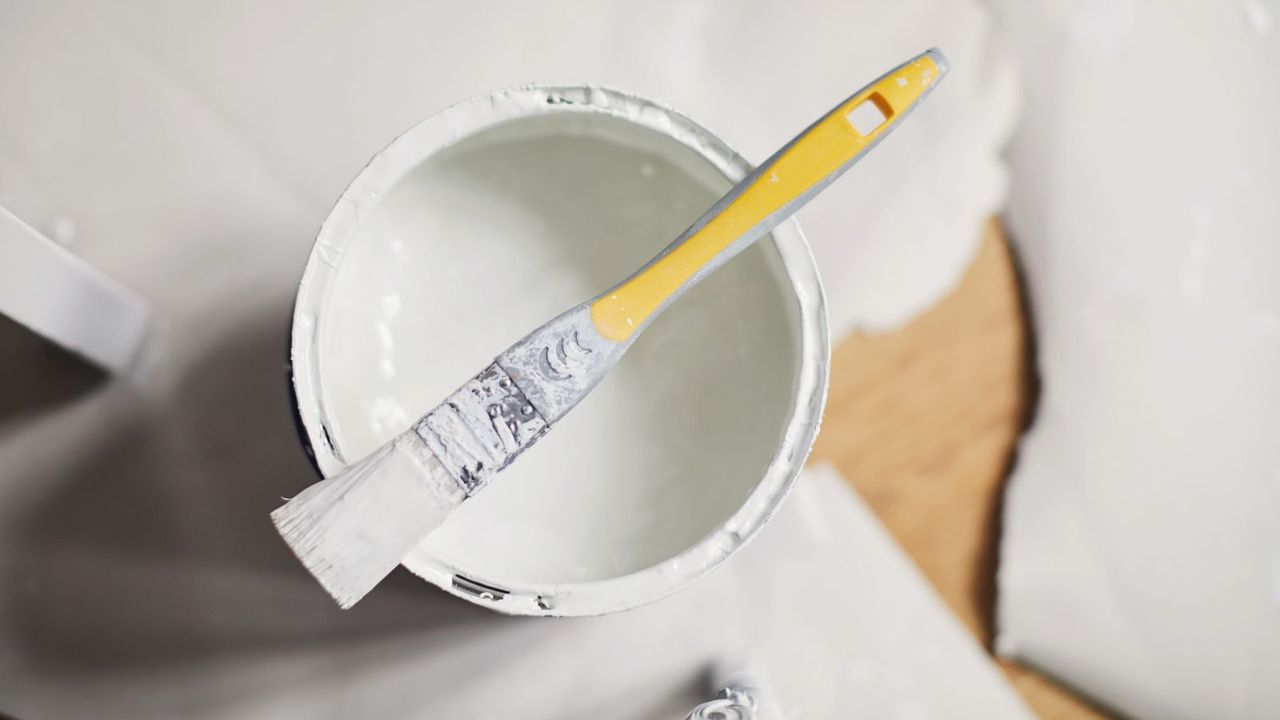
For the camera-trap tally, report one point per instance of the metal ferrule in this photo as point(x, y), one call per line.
point(498, 414)
point(560, 362)
point(481, 428)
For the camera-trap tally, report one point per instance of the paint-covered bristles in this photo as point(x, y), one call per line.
point(351, 530)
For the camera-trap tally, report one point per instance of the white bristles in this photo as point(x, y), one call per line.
point(351, 530)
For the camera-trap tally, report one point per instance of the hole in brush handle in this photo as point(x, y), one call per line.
point(867, 116)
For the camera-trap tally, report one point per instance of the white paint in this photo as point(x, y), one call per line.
point(657, 476)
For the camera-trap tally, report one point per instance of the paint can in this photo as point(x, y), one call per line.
point(491, 217)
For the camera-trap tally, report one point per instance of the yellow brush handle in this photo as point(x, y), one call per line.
point(818, 154)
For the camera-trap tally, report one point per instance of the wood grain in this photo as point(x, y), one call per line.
point(923, 421)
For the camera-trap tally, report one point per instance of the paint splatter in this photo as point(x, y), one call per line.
point(1258, 16)
point(1265, 326)
point(62, 230)
point(911, 709)
point(1191, 274)
point(1103, 24)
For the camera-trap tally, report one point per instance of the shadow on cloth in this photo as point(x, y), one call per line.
point(154, 547)
point(37, 376)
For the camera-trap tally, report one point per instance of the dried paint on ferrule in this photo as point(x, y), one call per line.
point(481, 428)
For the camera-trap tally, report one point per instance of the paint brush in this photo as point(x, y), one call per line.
point(352, 529)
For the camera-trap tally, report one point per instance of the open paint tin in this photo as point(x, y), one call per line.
point(488, 219)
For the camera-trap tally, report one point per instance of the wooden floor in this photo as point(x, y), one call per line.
point(923, 422)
